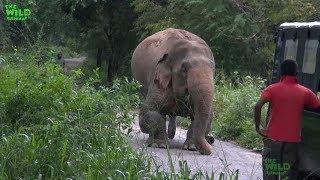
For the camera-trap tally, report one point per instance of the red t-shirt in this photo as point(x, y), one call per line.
point(287, 99)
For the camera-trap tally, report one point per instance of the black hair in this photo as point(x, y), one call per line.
point(289, 68)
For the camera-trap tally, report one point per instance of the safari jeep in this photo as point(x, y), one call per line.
point(300, 42)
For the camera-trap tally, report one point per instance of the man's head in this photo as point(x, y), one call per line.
point(289, 68)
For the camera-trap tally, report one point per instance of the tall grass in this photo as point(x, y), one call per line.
point(234, 106)
point(52, 130)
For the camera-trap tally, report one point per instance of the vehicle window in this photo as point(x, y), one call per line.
point(290, 51)
point(310, 56)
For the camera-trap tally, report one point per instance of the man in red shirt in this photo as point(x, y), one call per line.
point(287, 100)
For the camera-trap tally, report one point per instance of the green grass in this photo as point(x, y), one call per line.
point(234, 102)
point(51, 129)
point(234, 106)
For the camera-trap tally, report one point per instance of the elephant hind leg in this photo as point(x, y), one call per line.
point(189, 143)
point(209, 137)
point(172, 127)
point(158, 140)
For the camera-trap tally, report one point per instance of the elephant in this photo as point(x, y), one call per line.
point(176, 71)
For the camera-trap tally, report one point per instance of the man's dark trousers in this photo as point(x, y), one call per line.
point(280, 160)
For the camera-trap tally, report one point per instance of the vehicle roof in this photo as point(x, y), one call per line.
point(289, 25)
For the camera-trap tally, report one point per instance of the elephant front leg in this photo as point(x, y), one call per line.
point(154, 124)
point(157, 140)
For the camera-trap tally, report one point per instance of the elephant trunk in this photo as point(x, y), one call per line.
point(150, 122)
point(201, 93)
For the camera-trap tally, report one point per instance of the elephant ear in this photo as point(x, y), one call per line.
point(162, 76)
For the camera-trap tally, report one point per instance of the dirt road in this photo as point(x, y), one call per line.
point(226, 157)
point(69, 64)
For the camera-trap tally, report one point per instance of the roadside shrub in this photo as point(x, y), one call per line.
point(50, 129)
point(234, 109)
point(32, 93)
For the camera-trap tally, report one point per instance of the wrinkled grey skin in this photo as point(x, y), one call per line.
point(176, 70)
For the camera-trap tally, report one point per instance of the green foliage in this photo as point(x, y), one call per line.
point(185, 173)
point(47, 23)
point(49, 129)
point(106, 25)
point(240, 33)
point(234, 107)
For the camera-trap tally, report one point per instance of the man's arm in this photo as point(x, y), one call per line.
point(318, 96)
point(313, 101)
point(257, 116)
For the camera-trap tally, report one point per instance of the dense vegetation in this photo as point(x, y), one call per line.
point(58, 126)
point(50, 129)
point(234, 104)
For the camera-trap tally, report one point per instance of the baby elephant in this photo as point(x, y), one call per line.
point(176, 69)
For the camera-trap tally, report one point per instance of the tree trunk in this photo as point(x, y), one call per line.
point(99, 53)
point(110, 71)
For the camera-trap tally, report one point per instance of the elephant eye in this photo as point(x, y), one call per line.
point(184, 67)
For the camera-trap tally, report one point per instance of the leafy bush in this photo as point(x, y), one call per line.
point(49, 129)
point(234, 107)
